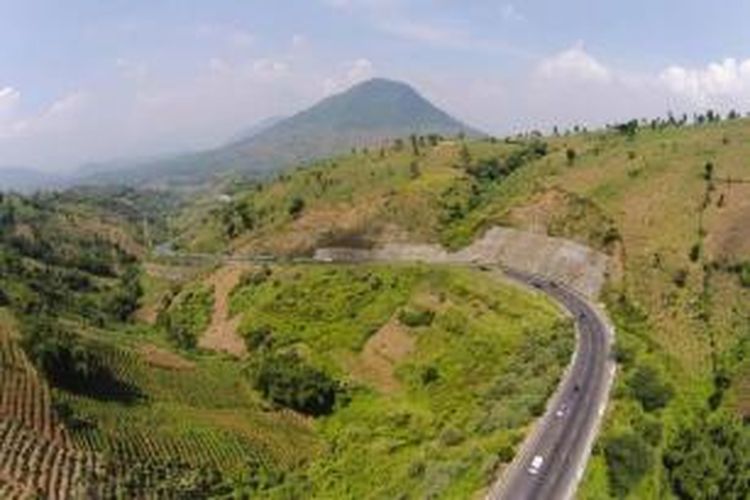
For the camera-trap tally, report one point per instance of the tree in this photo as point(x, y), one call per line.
point(628, 459)
point(414, 171)
point(630, 128)
point(414, 144)
point(649, 389)
point(708, 171)
point(288, 380)
point(464, 156)
point(570, 154)
point(710, 459)
point(296, 207)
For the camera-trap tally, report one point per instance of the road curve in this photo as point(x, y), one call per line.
point(564, 434)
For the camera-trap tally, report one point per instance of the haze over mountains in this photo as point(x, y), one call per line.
point(365, 115)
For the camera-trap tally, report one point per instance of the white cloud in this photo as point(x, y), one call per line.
point(269, 68)
point(574, 64)
point(355, 72)
point(716, 84)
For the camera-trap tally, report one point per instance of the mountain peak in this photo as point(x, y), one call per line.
point(367, 114)
point(379, 108)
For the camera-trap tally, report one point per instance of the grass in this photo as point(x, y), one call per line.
point(478, 374)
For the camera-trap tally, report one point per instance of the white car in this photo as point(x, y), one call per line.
point(562, 411)
point(536, 465)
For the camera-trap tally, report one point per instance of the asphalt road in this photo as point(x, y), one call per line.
point(564, 434)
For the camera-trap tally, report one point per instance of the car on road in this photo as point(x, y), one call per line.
point(562, 411)
point(536, 465)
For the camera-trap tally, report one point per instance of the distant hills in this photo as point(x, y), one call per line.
point(367, 114)
point(24, 180)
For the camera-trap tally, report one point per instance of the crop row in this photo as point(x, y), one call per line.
point(24, 395)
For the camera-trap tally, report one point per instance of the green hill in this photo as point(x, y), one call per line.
point(670, 203)
point(382, 379)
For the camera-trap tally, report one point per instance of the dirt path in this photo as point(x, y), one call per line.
point(221, 334)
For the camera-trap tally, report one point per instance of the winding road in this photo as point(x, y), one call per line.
point(564, 435)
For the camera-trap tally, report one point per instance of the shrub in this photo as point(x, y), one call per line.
point(743, 271)
point(296, 206)
point(570, 154)
point(710, 459)
point(708, 171)
point(254, 278)
point(259, 338)
point(288, 381)
point(680, 278)
point(187, 316)
point(429, 375)
point(416, 317)
point(695, 252)
point(628, 459)
point(649, 389)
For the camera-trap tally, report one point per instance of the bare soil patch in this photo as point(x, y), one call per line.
point(162, 358)
point(383, 351)
point(221, 334)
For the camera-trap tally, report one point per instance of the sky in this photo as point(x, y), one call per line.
point(91, 80)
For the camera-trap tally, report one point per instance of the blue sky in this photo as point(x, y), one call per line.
point(88, 80)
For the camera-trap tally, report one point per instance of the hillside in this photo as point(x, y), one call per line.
point(327, 361)
point(668, 202)
point(367, 114)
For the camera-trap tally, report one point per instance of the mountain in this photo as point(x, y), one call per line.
point(256, 128)
point(25, 180)
point(365, 115)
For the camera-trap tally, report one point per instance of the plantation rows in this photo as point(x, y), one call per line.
point(37, 465)
point(24, 396)
point(147, 451)
point(32, 466)
point(199, 448)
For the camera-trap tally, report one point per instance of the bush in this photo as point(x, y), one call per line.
point(288, 381)
point(570, 154)
point(649, 389)
point(429, 375)
point(680, 278)
point(259, 338)
point(628, 459)
point(695, 252)
point(296, 207)
point(416, 317)
point(187, 316)
point(743, 271)
point(710, 459)
point(254, 278)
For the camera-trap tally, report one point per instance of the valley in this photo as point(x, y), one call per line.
point(338, 328)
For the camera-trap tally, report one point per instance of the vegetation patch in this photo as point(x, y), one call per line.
point(187, 315)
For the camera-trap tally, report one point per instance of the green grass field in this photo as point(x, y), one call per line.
point(465, 389)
